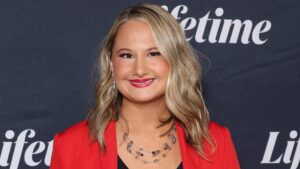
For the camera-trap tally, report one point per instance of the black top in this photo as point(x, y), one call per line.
point(121, 164)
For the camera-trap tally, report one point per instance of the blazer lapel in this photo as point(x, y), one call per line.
point(108, 159)
point(189, 157)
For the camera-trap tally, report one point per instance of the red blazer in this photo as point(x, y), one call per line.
point(73, 149)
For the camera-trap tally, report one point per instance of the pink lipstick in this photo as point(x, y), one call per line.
point(141, 83)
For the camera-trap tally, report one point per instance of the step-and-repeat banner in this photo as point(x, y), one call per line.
point(250, 51)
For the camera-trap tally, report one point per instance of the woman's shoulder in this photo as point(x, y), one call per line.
point(74, 148)
point(76, 130)
point(75, 134)
point(222, 138)
point(216, 127)
point(218, 132)
point(225, 150)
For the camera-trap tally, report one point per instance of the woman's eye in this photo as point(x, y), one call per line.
point(154, 54)
point(125, 55)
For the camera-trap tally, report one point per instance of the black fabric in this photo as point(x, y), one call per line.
point(121, 164)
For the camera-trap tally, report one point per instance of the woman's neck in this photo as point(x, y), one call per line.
point(144, 118)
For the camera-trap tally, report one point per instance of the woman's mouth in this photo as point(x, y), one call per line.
point(141, 83)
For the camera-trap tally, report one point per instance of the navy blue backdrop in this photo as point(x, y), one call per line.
point(249, 49)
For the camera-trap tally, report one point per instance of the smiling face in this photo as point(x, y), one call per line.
point(140, 71)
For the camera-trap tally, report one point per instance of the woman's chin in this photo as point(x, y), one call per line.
point(142, 99)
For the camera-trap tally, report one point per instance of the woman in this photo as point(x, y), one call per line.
point(150, 112)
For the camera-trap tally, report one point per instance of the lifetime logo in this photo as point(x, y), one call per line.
point(15, 148)
point(221, 30)
point(287, 156)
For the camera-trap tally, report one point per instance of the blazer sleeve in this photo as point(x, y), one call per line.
point(56, 155)
point(230, 160)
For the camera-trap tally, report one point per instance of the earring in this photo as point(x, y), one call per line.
point(114, 82)
point(114, 86)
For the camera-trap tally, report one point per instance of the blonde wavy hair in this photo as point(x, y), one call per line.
point(183, 90)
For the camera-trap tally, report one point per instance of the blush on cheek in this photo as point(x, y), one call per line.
point(121, 69)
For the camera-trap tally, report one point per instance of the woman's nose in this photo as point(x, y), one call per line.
point(140, 66)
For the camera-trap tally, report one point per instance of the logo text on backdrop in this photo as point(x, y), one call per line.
point(232, 31)
point(291, 155)
point(14, 148)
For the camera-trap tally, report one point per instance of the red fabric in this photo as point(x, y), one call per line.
point(73, 149)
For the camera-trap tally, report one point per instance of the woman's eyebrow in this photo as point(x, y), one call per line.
point(122, 49)
point(152, 48)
